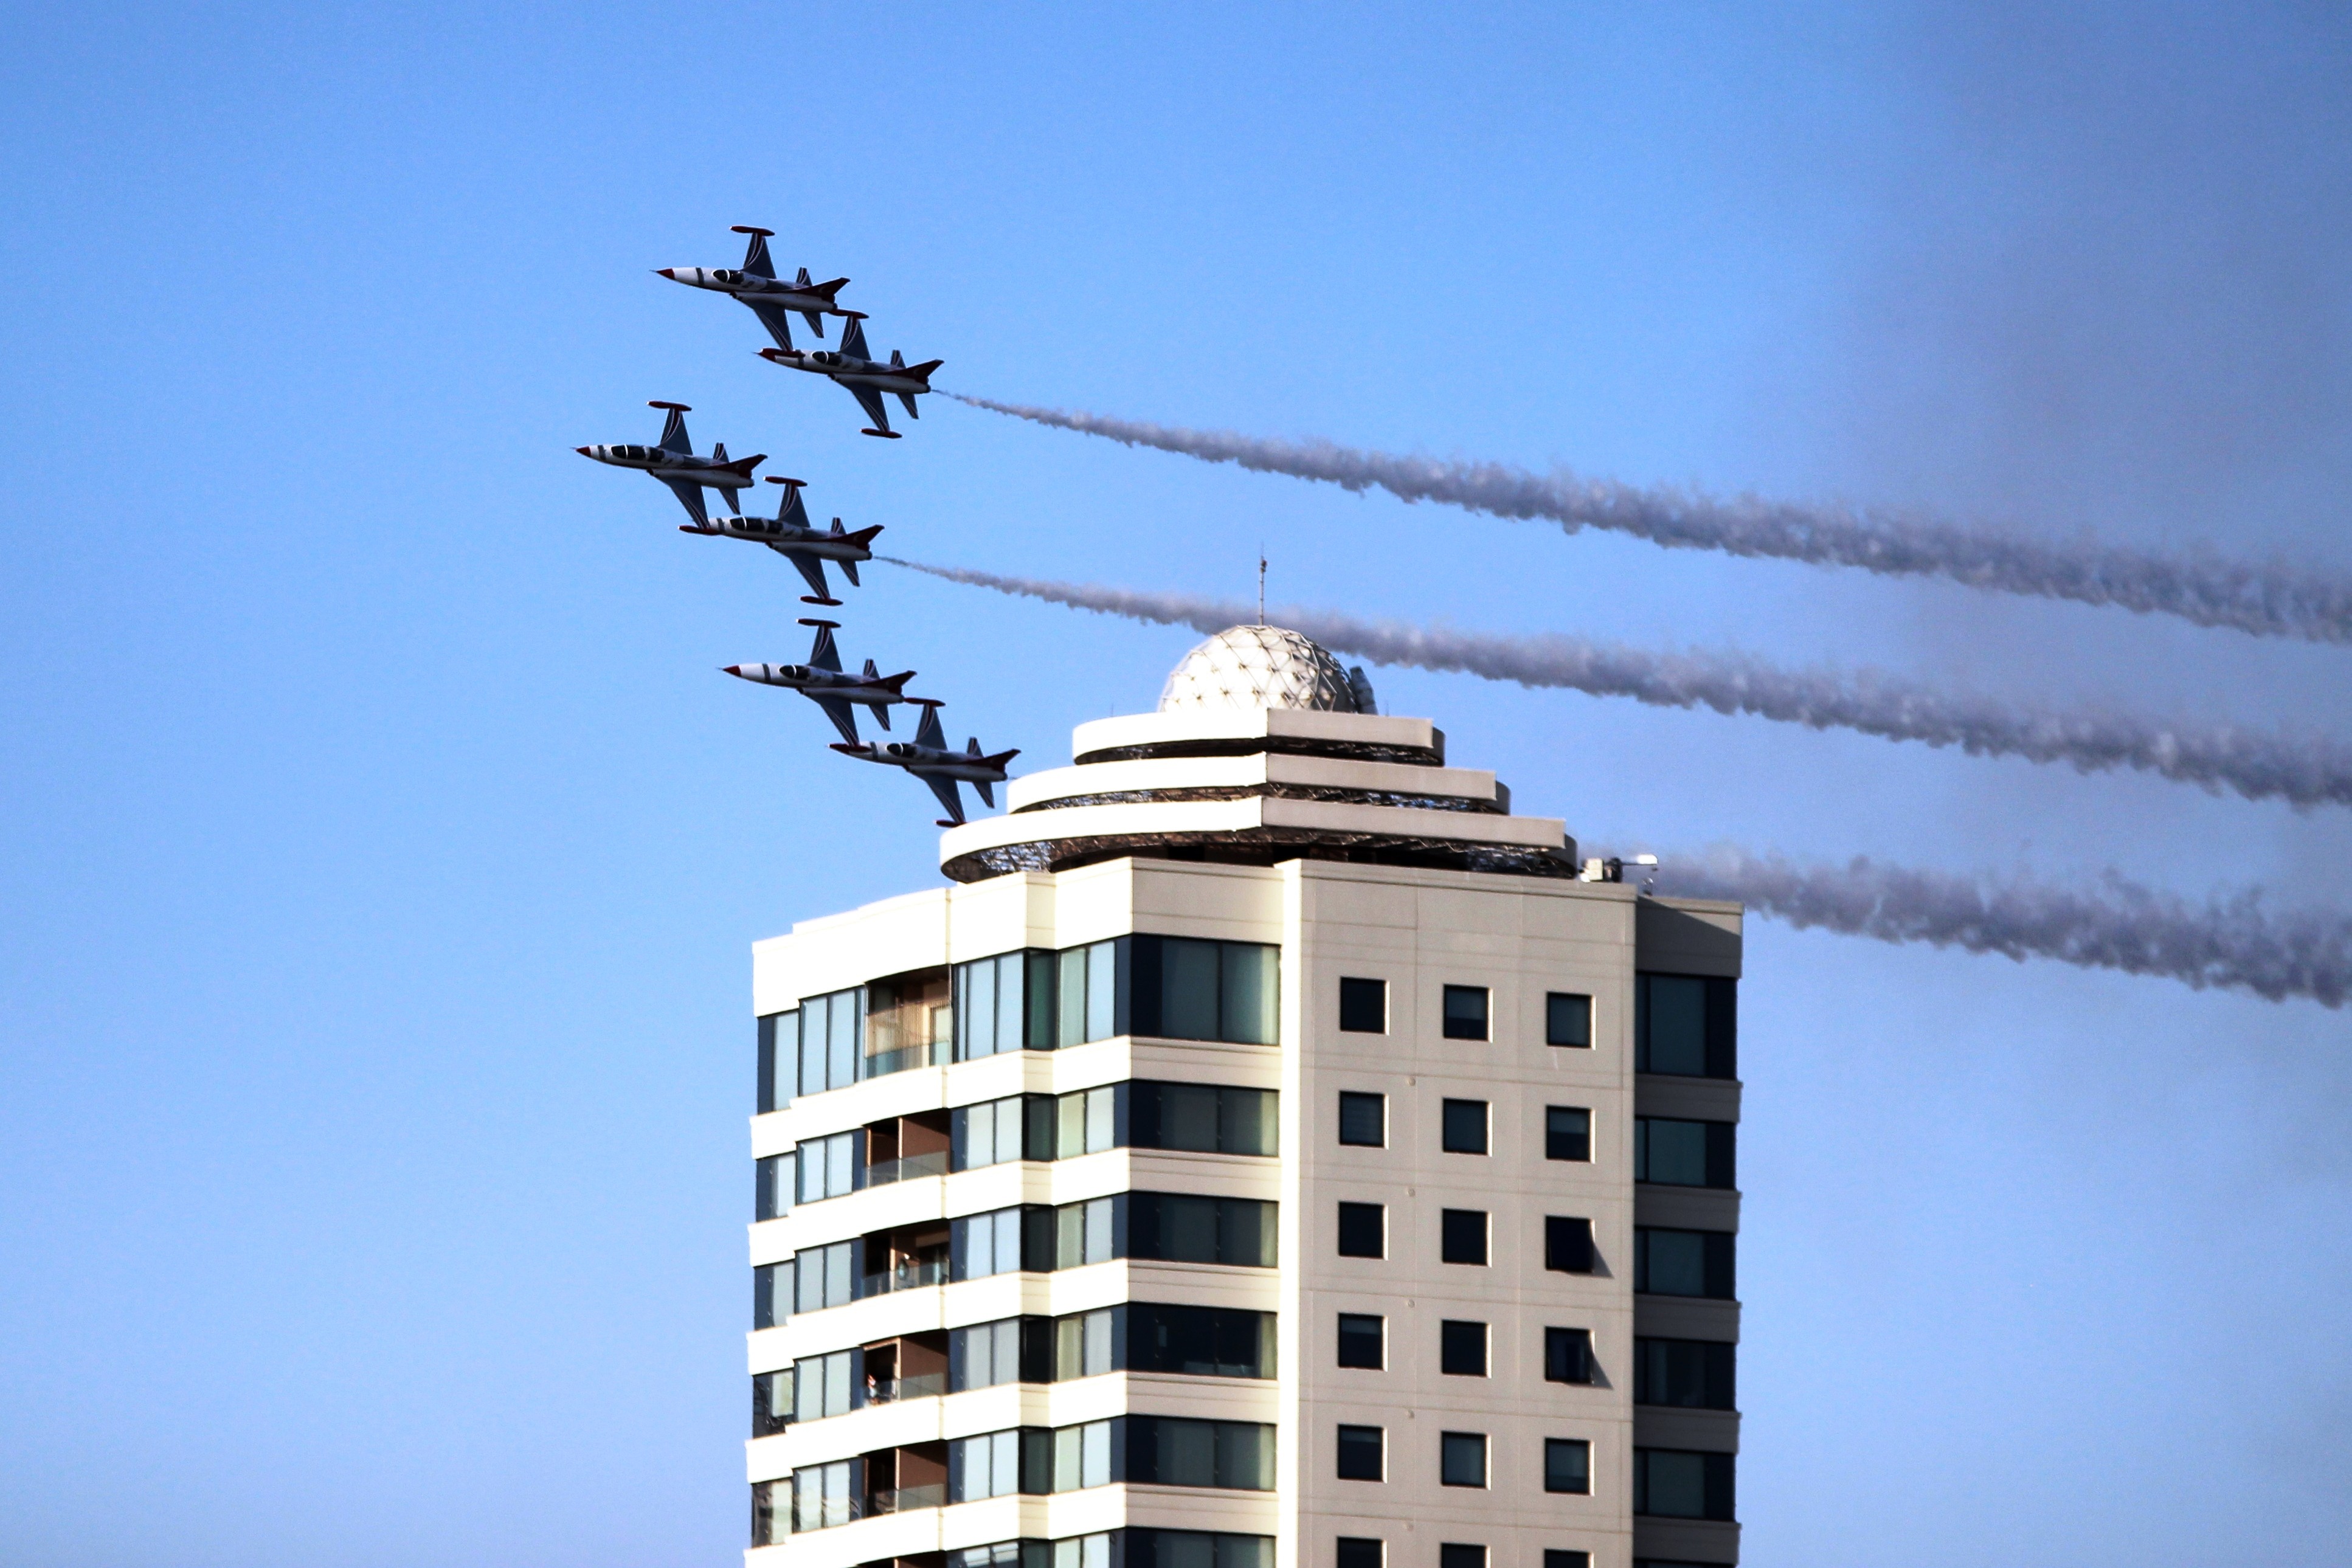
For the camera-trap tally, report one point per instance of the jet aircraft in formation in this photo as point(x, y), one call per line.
point(754, 283)
point(792, 535)
point(789, 535)
point(852, 366)
point(672, 461)
point(927, 756)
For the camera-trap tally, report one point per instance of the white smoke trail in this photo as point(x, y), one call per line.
point(2302, 771)
point(2231, 942)
point(2273, 600)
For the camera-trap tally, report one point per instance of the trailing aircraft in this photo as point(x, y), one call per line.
point(821, 681)
point(928, 760)
point(672, 461)
point(789, 535)
point(755, 286)
point(866, 379)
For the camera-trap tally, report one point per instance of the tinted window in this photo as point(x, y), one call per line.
point(1685, 1025)
point(1199, 1342)
point(1359, 1454)
point(1185, 988)
point(1363, 1119)
point(1568, 1133)
point(1465, 1012)
point(1363, 1340)
point(1364, 1007)
point(1462, 1236)
point(1461, 1459)
point(1568, 1019)
point(779, 1040)
point(1466, 1127)
point(1356, 1552)
point(771, 1190)
point(1363, 1231)
point(1166, 1450)
point(1567, 1465)
point(1462, 1348)
point(1455, 1554)
point(1679, 1485)
point(1208, 1118)
point(1567, 1244)
point(1695, 1375)
point(1683, 1262)
point(1567, 1355)
point(1682, 1154)
point(1178, 1227)
point(1556, 1558)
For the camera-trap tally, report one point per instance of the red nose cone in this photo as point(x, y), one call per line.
point(584, 452)
point(668, 272)
point(732, 669)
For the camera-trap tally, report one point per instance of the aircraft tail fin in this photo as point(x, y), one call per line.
point(897, 683)
point(922, 372)
point(897, 360)
point(802, 281)
point(719, 454)
point(972, 746)
point(872, 670)
point(861, 536)
point(742, 466)
point(755, 256)
point(853, 338)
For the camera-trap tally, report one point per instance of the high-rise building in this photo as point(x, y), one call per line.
point(1268, 1153)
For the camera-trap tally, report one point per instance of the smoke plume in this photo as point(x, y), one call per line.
point(2232, 941)
point(2302, 771)
point(2273, 600)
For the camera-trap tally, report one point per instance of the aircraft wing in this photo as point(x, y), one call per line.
point(811, 568)
point(690, 495)
point(775, 318)
point(945, 789)
point(870, 400)
point(837, 710)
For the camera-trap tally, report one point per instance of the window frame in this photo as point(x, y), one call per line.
point(1379, 1104)
point(1379, 1336)
point(1355, 1005)
point(1553, 1136)
point(1448, 1230)
point(1555, 1025)
point(1582, 1449)
point(1352, 1210)
point(1454, 1343)
point(1353, 1437)
point(1455, 1445)
point(1453, 1123)
point(1448, 1026)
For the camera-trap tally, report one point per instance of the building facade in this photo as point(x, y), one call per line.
point(1267, 1153)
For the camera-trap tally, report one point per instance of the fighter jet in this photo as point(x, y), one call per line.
point(788, 533)
point(821, 681)
point(754, 283)
point(928, 760)
point(673, 463)
point(866, 379)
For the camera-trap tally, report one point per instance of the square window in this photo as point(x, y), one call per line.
point(1462, 1348)
point(1568, 1019)
point(1567, 1244)
point(1465, 1012)
point(1461, 1236)
point(1363, 1119)
point(1363, 1231)
point(1359, 1454)
point(1364, 1007)
point(1461, 1554)
point(1363, 1340)
point(1461, 1459)
point(1567, 1355)
point(1554, 1558)
point(1466, 1127)
point(1360, 1551)
point(1567, 1465)
point(1568, 1133)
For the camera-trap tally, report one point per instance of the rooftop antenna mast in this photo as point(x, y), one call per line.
point(1260, 585)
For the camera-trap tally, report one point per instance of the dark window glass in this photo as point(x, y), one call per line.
point(1185, 988)
point(1683, 1154)
point(1674, 1484)
point(1363, 1119)
point(1199, 1342)
point(1462, 1348)
point(1567, 1355)
point(1695, 1375)
point(1357, 1552)
point(1461, 1236)
point(779, 1038)
point(1568, 1133)
point(771, 1193)
point(1465, 1012)
point(771, 1403)
point(1464, 1127)
point(1206, 1118)
point(1364, 1007)
point(1178, 1227)
point(1568, 1019)
point(1685, 1025)
point(1363, 1340)
point(766, 1496)
point(1167, 1450)
point(1359, 1454)
point(1567, 1244)
point(1683, 1262)
point(766, 1297)
point(1461, 1554)
point(1462, 1458)
point(1556, 1558)
point(1567, 1465)
point(1141, 1548)
point(1363, 1231)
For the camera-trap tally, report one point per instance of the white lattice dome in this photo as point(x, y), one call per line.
point(1261, 667)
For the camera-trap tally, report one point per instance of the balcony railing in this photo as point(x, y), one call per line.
point(907, 1274)
point(882, 1173)
point(893, 1390)
point(905, 1499)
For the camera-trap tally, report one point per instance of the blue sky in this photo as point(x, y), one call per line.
point(382, 848)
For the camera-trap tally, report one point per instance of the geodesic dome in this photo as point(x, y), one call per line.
point(1262, 667)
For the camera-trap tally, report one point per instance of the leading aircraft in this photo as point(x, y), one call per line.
point(672, 461)
point(821, 681)
point(928, 760)
point(866, 379)
point(789, 534)
point(755, 284)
